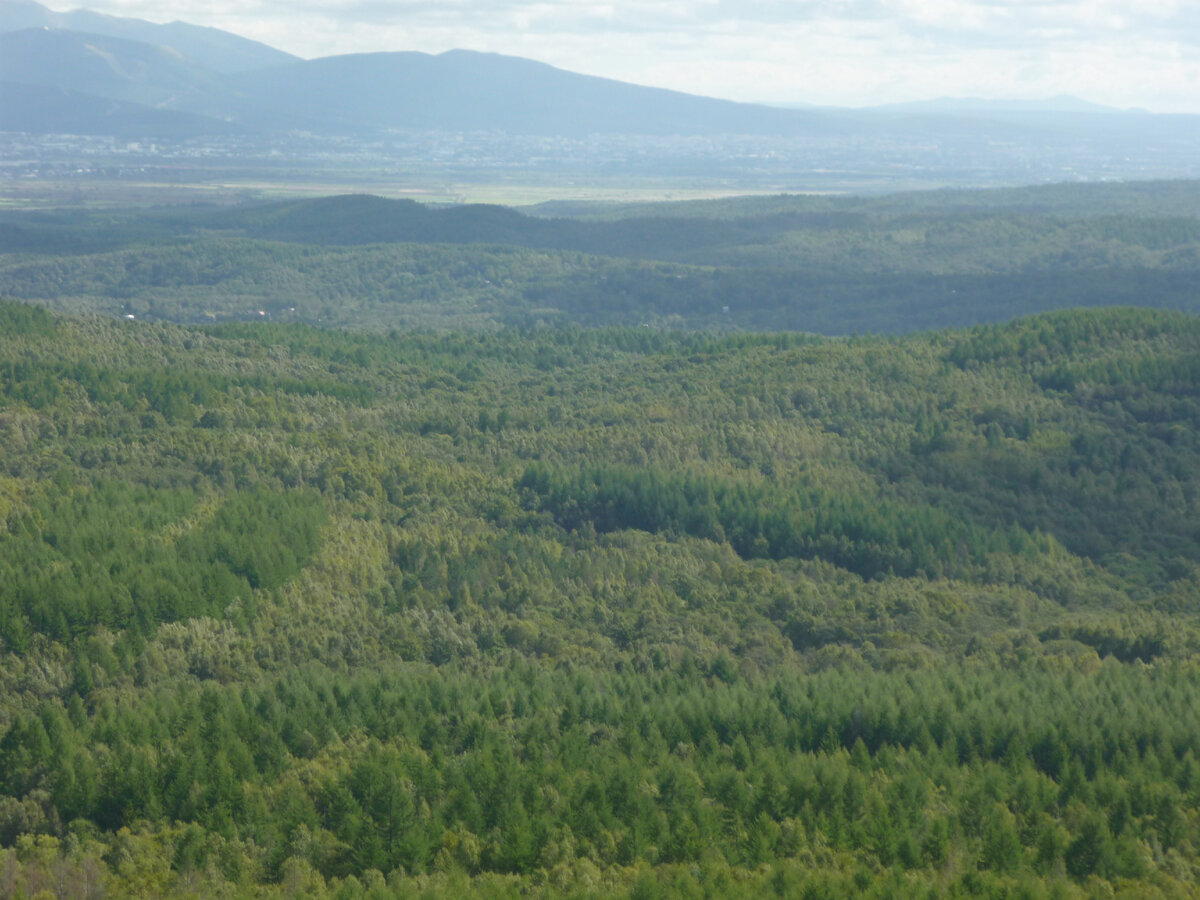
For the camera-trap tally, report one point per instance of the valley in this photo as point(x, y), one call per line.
point(815, 263)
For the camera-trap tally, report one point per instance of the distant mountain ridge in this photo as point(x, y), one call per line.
point(458, 90)
point(218, 76)
point(467, 90)
point(41, 108)
point(217, 50)
point(405, 106)
point(115, 68)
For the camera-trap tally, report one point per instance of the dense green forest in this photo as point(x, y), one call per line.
point(829, 265)
point(559, 612)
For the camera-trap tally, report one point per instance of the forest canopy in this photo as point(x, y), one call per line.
point(825, 264)
point(580, 612)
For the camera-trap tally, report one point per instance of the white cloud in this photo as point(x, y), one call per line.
point(854, 52)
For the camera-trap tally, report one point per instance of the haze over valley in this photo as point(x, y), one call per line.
point(86, 97)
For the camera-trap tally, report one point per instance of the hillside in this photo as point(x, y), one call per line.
point(114, 68)
point(463, 90)
point(615, 612)
point(459, 91)
point(831, 265)
point(33, 108)
point(212, 48)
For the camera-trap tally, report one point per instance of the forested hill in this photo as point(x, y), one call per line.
point(831, 265)
point(1141, 199)
point(287, 611)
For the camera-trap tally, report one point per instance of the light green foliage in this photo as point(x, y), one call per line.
point(292, 612)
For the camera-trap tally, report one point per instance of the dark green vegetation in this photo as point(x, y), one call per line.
point(629, 612)
point(820, 264)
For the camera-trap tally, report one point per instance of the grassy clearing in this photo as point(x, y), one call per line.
point(100, 193)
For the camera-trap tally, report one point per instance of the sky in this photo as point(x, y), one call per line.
point(1143, 54)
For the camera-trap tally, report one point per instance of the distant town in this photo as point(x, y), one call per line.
point(818, 163)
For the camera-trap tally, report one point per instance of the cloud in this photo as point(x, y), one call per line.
point(854, 52)
point(999, 22)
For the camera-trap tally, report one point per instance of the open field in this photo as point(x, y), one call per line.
point(30, 193)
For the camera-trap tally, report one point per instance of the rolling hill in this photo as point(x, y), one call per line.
point(832, 265)
point(554, 613)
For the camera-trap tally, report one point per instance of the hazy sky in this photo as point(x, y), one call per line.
point(844, 52)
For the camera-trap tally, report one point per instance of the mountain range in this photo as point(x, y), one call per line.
point(352, 94)
point(83, 72)
point(210, 47)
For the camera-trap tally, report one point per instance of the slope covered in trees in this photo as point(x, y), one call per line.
point(287, 611)
point(830, 265)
